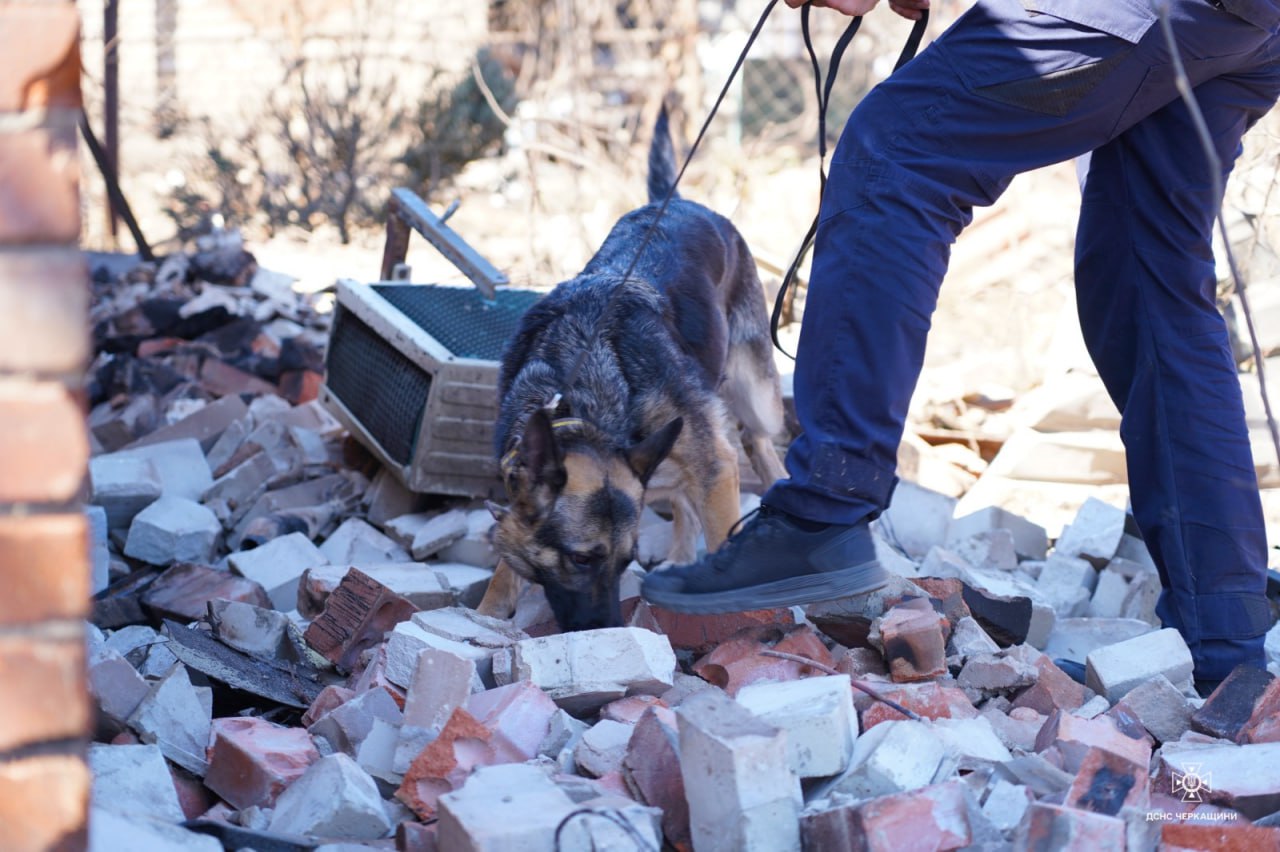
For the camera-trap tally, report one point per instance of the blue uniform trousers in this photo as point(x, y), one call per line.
point(1015, 85)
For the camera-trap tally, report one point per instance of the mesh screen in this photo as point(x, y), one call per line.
point(459, 317)
point(382, 388)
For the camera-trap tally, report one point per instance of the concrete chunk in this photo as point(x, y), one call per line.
point(742, 794)
point(356, 542)
point(134, 780)
point(277, 566)
point(1094, 534)
point(893, 757)
point(817, 715)
point(1030, 541)
point(582, 671)
point(333, 798)
point(1113, 670)
point(123, 487)
point(175, 717)
point(173, 529)
point(441, 682)
point(180, 465)
point(917, 518)
point(475, 546)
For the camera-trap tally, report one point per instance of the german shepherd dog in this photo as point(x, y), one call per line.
point(669, 357)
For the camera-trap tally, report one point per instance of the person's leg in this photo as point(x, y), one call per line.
point(1146, 285)
point(1005, 90)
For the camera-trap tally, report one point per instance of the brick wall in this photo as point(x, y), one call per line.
point(44, 707)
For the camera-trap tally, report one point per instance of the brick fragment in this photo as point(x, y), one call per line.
point(204, 426)
point(278, 566)
point(946, 594)
point(1159, 707)
point(518, 715)
point(1073, 737)
point(631, 708)
point(929, 700)
point(445, 763)
point(173, 529)
point(116, 685)
point(503, 807)
point(1231, 706)
point(175, 717)
point(356, 617)
point(1113, 670)
point(894, 757)
point(702, 633)
point(1030, 541)
point(185, 590)
point(1107, 783)
point(934, 817)
point(44, 560)
point(817, 715)
point(915, 647)
point(333, 798)
point(328, 699)
point(1094, 534)
point(441, 683)
point(134, 780)
point(738, 662)
point(1220, 837)
point(652, 766)
point(1264, 725)
point(741, 793)
point(1052, 828)
point(44, 446)
point(346, 726)
point(251, 760)
point(1245, 778)
point(1053, 689)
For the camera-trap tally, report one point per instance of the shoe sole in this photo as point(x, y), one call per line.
point(793, 591)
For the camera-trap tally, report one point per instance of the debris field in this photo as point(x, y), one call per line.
point(284, 651)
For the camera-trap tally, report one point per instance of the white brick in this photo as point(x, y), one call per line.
point(742, 794)
point(894, 757)
point(357, 542)
point(177, 718)
point(602, 747)
point(99, 549)
point(173, 529)
point(1005, 804)
point(123, 486)
point(1094, 534)
point(1161, 708)
point(509, 808)
point(180, 465)
point(990, 550)
point(248, 628)
point(817, 715)
point(467, 582)
point(474, 547)
point(1108, 596)
point(440, 683)
point(278, 565)
point(134, 780)
point(427, 533)
point(973, 742)
point(1074, 638)
point(1115, 669)
point(334, 798)
point(109, 832)
point(1030, 540)
point(917, 518)
point(582, 671)
point(1066, 583)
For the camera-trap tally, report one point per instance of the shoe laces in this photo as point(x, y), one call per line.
point(760, 518)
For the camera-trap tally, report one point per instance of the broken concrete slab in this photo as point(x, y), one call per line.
point(173, 529)
point(1231, 705)
point(582, 671)
point(1115, 669)
point(278, 566)
point(333, 798)
point(742, 794)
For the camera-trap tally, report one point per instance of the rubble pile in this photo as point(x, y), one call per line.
point(285, 652)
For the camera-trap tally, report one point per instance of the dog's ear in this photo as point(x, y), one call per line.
point(540, 455)
point(645, 456)
point(494, 509)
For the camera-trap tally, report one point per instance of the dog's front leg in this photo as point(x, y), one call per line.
point(720, 503)
point(504, 590)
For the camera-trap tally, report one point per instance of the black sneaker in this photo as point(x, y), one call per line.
point(771, 561)
point(1072, 669)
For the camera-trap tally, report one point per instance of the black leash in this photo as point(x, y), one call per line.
point(824, 99)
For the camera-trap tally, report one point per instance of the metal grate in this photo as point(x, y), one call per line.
point(459, 317)
point(377, 384)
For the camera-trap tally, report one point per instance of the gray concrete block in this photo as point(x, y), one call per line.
point(173, 529)
point(277, 566)
point(817, 715)
point(1030, 540)
point(123, 486)
point(1113, 670)
point(133, 780)
point(334, 798)
point(175, 717)
point(1094, 534)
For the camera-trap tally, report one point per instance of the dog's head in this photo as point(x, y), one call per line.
point(574, 515)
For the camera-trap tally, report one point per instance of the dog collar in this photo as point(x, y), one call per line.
point(508, 462)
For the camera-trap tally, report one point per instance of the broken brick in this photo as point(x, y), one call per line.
point(1231, 706)
point(356, 617)
point(702, 633)
point(934, 817)
point(1074, 736)
point(1107, 783)
point(928, 700)
point(1052, 690)
point(652, 766)
point(445, 763)
point(915, 646)
point(1052, 828)
point(184, 590)
point(739, 661)
point(251, 760)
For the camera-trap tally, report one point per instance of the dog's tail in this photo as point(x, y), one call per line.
point(662, 160)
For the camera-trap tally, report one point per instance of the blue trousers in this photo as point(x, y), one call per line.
point(1015, 85)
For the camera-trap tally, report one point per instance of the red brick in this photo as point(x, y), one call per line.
point(1051, 828)
point(416, 837)
point(40, 44)
point(374, 676)
point(1231, 706)
point(328, 699)
point(629, 710)
point(1218, 837)
point(44, 445)
point(1107, 783)
point(930, 700)
point(356, 616)
point(45, 695)
point(652, 768)
point(702, 633)
point(300, 386)
point(44, 804)
point(39, 186)
point(220, 379)
point(519, 716)
point(44, 310)
point(251, 760)
point(1053, 690)
point(194, 797)
point(915, 646)
point(1264, 725)
point(184, 590)
point(1074, 736)
point(44, 560)
point(739, 662)
point(445, 763)
point(933, 817)
point(946, 594)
